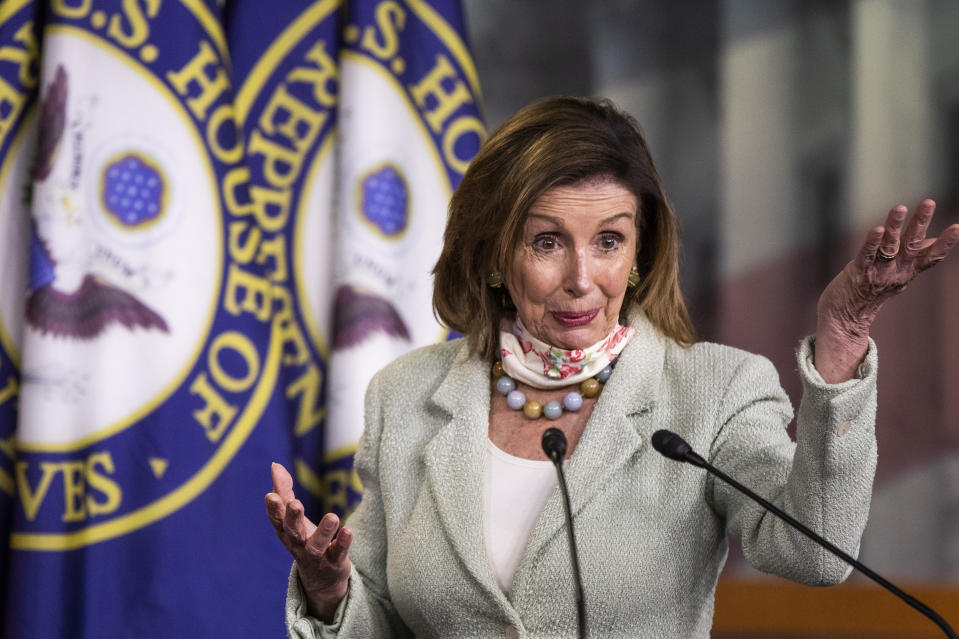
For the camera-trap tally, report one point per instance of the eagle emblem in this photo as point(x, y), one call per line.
point(65, 299)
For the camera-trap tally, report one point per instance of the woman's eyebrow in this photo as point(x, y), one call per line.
point(560, 220)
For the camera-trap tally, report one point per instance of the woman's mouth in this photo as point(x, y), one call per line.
point(569, 318)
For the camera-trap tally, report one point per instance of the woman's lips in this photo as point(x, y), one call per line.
point(575, 319)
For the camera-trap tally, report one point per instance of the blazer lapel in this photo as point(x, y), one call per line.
point(611, 437)
point(455, 464)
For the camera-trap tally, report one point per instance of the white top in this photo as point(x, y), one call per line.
point(515, 491)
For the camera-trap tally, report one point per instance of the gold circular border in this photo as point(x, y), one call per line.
point(5, 340)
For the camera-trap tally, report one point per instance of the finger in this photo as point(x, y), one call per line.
point(275, 509)
point(867, 254)
point(340, 547)
point(937, 251)
point(282, 482)
point(320, 540)
point(295, 521)
point(915, 234)
point(893, 230)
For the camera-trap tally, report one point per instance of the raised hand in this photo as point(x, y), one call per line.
point(321, 560)
point(891, 257)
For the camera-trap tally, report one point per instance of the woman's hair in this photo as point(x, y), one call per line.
point(557, 141)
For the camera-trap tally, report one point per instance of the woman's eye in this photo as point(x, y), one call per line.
point(609, 242)
point(545, 243)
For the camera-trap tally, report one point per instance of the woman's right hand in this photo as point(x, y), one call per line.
point(321, 561)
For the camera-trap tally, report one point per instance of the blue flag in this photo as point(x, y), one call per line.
point(218, 220)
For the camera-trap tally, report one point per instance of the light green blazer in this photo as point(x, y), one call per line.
point(651, 531)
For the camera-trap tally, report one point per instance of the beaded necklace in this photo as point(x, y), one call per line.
point(539, 365)
point(572, 401)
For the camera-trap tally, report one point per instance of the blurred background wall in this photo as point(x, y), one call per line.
point(783, 129)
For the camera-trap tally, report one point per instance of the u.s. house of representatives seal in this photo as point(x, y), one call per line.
point(146, 357)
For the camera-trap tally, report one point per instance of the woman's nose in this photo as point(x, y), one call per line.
point(578, 277)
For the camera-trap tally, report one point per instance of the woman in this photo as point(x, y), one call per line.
point(560, 257)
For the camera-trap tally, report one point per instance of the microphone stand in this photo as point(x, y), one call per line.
point(674, 447)
point(554, 445)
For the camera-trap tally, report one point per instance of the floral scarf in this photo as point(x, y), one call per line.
point(528, 360)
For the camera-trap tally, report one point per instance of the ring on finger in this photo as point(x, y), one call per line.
point(884, 257)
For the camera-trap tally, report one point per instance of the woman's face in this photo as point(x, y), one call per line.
point(569, 271)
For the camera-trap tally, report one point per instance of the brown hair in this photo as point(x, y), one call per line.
point(553, 142)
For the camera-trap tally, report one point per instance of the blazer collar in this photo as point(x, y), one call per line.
point(454, 458)
point(455, 461)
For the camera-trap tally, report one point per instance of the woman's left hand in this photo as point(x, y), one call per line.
point(889, 259)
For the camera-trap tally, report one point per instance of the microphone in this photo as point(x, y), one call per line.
point(675, 447)
point(554, 445)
